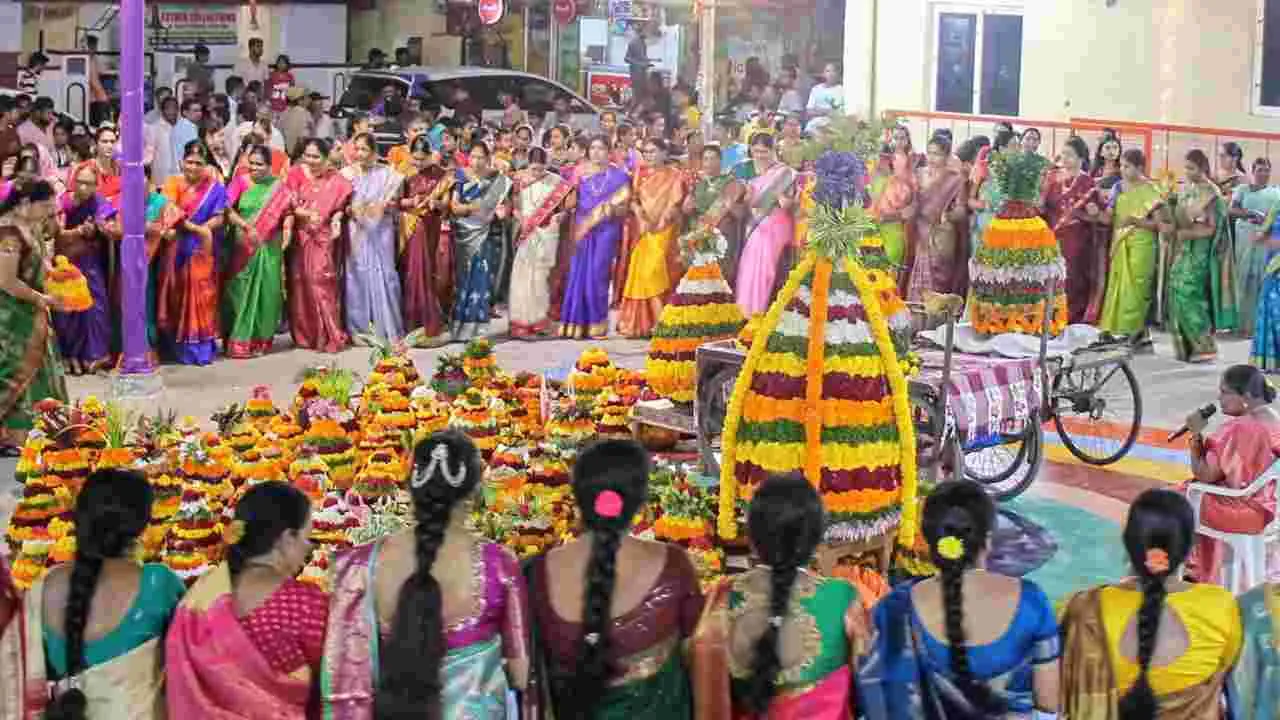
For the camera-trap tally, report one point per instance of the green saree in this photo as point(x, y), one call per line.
point(254, 300)
point(1131, 274)
point(1199, 298)
point(30, 369)
point(1254, 686)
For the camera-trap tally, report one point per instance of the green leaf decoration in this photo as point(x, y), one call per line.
point(1018, 174)
point(837, 233)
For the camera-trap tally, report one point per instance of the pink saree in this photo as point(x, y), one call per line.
point(215, 671)
point(771, 230)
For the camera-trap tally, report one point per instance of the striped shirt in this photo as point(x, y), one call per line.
point(28, 80)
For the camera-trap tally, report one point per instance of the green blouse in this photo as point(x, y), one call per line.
point(159, 592)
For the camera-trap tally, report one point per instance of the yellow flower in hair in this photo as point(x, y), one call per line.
point(234, 533)
point(951, 548)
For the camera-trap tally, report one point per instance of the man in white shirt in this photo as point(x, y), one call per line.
point(249, 116)
point(321, 123)
point(153, 115)
point(38, 128)
point(187, 128)
point(160, 139)
point(252, 68)
point(826, 99)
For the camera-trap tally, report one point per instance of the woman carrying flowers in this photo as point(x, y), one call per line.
point(246, 640)
point(930, 647)
point(714, 204)
point(30, 368)
point(87, 230)
point(259, 204)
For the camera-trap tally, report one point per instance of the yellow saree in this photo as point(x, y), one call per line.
point(653, 267)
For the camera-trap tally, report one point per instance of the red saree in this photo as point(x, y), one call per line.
point(420, 240)
point(1064, 211)
point(315, 300)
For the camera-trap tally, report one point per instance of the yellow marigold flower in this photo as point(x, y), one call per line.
point(951, 548)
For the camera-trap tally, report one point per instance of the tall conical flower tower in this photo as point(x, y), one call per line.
point(823, 391)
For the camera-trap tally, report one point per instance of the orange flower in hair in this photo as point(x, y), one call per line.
point(1156, 561)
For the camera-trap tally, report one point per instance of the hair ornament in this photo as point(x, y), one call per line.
point(951, 548)
point(234, 532)
point(608, 504)
point(1156, 561)
point(776, 621)
point(591, 638)
point(440, 461)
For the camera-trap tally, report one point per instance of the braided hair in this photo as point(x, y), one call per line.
point(610, 483)
point(1157, 535)
point(785, 523)
point(960, 511)
point(268, 510)
point(446, 470)
point(112, 510)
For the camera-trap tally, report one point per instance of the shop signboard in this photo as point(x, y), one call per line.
point(606, 88)
point(490, 11)
point(186, 25)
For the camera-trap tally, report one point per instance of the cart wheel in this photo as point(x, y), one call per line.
point(1007, 467)
point(1098, 411)
point(711, 407)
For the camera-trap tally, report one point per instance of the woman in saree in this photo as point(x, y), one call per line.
point(480, 197)
point(162, 223)
point(895, 208)
point(247, 639)
point(1106, 169)
point(87, 229)
point(770, 227)
point(1151, 646)
point(389, 651)
point(778, 641)
point(258, 205)
point(426, 196)
point(1134, 209)
point(612, 611)
point(933, 655)
point(315, 300)
point(372, 297)
point(187, 303)
point(539, 199)
point(1065, 204)
point(30, 368)
point(658, 193)
point(604, 196)
point(1237, 454)
point(714, 204)
point(1230, 173)
point(1199, 287)
point(1251, 204)
point(101, 651)
point(1253, 689)
point(104, 161)
point(939, 247)
point(986, 197)
point(1265, 351)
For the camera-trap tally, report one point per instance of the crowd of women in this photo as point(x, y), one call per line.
point(433, 621)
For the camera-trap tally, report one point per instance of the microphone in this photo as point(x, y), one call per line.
point(1205, 413)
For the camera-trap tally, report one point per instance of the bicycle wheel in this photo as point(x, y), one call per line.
point(1098, 411)
point(1006, 466)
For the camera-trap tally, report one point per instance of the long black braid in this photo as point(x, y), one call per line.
point(409, 683)
point(112, 510)
point(785, 523)
point(619, 467)
point(960, 511)
point(1157, 536)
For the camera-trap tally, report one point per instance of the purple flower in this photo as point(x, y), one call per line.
point(841, 178)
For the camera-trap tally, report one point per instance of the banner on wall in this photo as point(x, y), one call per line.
point(608, 89)
point(186, 25)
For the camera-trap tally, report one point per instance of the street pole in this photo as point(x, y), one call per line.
point(707, 67)
point(136, 376)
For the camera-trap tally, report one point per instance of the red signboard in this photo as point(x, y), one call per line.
point(565, 11)
point(490, 10)
point(606, 89)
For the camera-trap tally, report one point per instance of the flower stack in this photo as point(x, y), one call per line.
point(612, 416)
point(591, 374)
point(394, 411)
point(529, 392)
point(310, 474)
point(823, 390)
point(572, 423)
point(549, 465)
point(66, 283)
point(382, 474)
point(45, 503)
point(332, 523)
point(431, 413)
point(702, 310)
point(286, 431)
point(332, 444)
point(449, 379)
point(260, 409)
point(1018, 262)
point(473, 414)
point(195, 541)
point(478, 362)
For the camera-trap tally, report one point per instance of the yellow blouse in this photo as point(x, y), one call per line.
point(1212, 619)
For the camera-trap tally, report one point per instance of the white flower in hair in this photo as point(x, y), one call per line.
point(440, 461)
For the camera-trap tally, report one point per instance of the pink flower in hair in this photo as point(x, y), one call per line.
point(608, 504)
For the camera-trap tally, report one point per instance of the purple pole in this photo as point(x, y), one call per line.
point(133, 249)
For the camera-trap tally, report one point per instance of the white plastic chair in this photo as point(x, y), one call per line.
point(1247, 566)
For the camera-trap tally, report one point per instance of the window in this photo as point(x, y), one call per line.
point(977, 59)
point(1266, 60)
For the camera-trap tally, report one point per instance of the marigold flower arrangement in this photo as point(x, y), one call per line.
point(823, 390)
point(66, 283)
point(474, 414)
point(478, 361)
point(334, 446)
point(310, 474)
point(701, 310)
point(450, 379)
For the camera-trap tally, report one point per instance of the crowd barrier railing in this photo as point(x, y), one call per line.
point(1170, 143)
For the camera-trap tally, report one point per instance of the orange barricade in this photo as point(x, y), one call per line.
point(1053, 133)
point(1170, 143)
